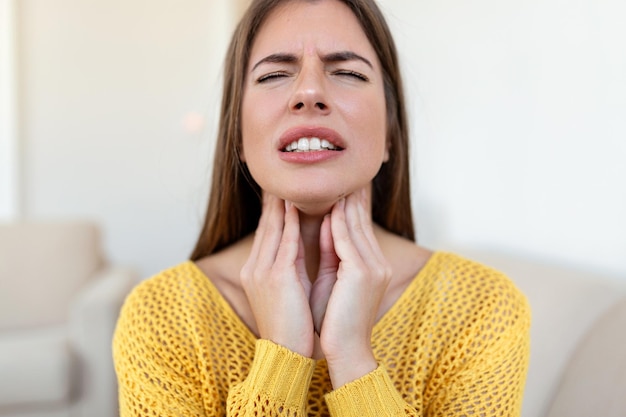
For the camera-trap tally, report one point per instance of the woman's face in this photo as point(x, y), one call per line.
point(313, 110)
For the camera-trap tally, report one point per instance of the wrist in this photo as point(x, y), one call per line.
point(350, 368)
point(375, 394)
point(293, 344)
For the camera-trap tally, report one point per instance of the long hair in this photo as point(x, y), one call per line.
point(234, 205)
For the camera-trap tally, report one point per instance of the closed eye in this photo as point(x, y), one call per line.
point(350, 73)
point(271, 76)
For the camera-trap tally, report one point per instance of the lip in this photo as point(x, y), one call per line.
point(296, 133)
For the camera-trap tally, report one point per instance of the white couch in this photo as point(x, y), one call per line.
point(578, 337)
point(59, 303)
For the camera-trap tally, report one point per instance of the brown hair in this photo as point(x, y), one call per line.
point(235, 200)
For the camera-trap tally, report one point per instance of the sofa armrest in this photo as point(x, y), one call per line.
point(93, 316)
point(594, 382)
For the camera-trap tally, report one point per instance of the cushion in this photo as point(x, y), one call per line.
point(42, 267)
point(595, 381)
point(36, 368)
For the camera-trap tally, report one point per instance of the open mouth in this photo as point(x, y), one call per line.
point(312, 144)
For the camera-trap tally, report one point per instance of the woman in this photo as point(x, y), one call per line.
point(305, 294)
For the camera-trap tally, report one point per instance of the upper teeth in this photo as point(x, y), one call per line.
point(309, 144)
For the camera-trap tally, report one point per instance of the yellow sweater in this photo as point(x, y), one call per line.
point(456, 343)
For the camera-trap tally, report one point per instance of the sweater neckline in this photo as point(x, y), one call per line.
point(387, 315)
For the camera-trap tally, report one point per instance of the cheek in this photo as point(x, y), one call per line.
point(374, 124)
point(258, 114)
point(249, 124)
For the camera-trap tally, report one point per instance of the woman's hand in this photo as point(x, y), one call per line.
point(275, 280)
point(326, 276)
point(363, 275)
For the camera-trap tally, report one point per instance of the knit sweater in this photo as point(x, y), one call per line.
point(456, 343)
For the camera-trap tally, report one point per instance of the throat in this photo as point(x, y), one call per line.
point(310, 232)
point(312, 266)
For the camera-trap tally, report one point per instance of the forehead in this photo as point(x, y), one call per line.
point(311, 27)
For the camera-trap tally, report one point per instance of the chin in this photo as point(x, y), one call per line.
point(314, 210)
point(312, 203)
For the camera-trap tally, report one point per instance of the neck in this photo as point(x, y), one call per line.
point(310, 231)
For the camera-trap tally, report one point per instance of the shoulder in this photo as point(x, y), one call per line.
point(166, 294)
point(154, 348)
point(475, 288)
point(167, 284)
point(176, 297)
point(472, 309)
point(470, 275)
point(154, 319)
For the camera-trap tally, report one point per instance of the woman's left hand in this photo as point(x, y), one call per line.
point(363, 275)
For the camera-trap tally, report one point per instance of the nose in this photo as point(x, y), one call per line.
point(309, 93)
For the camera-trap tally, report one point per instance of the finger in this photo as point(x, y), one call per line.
point(359, 227)
point(319, 298)
point(342, 240)
point(289, 244)
point(362, 236)
point(270, 232)
point(373, 255)
point(328, 257)
point(301, 267)
point(327, 275)
point(364, 209)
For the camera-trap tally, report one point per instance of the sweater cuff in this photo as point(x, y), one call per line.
point(371, 395)
point(280, 374)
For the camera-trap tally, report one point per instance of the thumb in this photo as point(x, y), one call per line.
point(326, 277)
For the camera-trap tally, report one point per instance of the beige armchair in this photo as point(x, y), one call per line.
point(59, 302)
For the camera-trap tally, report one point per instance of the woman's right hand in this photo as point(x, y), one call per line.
point(275, 281)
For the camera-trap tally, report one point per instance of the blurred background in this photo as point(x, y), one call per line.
point(108, 112)
point(518, 116)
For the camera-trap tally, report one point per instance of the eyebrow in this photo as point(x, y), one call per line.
point(341, 56)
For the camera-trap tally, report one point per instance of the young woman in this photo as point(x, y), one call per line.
point(306, 294)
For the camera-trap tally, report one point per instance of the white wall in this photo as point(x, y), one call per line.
point(106, 88)
point(519, 121)
point(9, 154)
point(518, 115)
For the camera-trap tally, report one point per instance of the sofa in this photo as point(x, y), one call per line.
point(59, 302)
point(578, 336)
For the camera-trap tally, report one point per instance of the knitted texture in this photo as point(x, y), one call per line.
point(456, 343)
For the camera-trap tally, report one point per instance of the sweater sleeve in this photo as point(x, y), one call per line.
point(277, 384)
point(370, 395)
